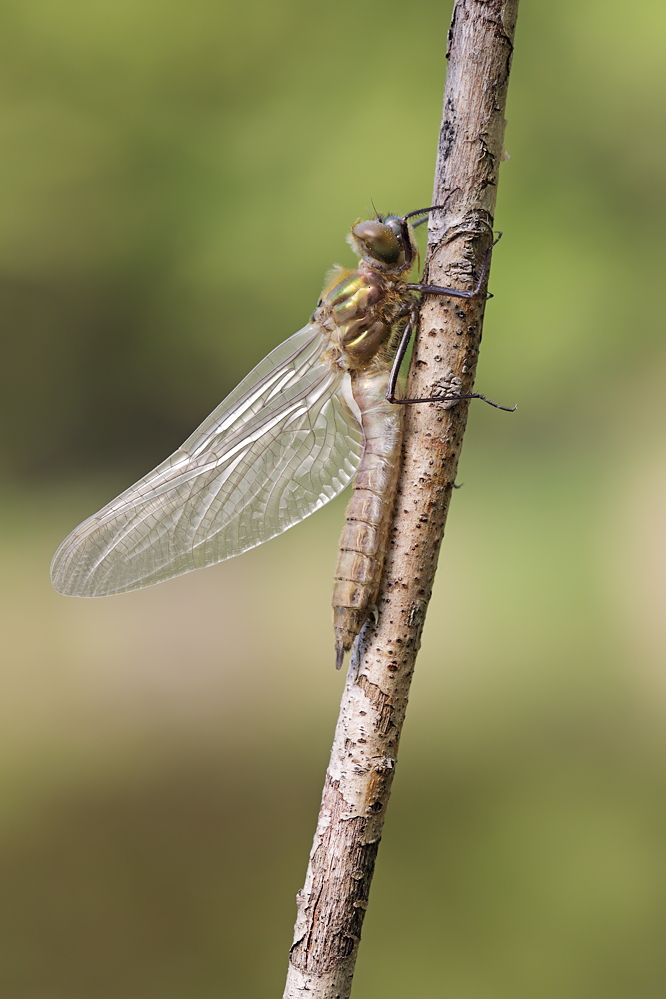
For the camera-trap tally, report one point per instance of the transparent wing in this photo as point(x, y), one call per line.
point(279, 447)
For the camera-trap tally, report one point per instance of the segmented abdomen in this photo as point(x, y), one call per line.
point(365, 535)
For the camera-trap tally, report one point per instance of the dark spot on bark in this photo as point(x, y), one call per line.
point(448, 133)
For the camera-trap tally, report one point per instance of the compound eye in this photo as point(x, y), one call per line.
point(379, 241)
point(394, 223)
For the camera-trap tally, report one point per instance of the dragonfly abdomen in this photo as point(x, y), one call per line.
point(365, 535)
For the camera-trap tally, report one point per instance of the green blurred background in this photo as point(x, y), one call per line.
point(178, 176)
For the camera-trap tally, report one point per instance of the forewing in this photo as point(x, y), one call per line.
point(279, 447)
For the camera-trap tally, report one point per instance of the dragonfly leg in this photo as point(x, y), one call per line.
point(444, 397)
point(456, 398)
point(399, 358)
point(430, 289)
point(434, 289)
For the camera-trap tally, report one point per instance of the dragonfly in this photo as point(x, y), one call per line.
point(319, 411)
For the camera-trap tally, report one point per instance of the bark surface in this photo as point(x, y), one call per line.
point(332, 903)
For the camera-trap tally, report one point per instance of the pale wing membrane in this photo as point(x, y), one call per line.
point(279, 447)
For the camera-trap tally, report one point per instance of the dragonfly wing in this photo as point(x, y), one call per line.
point(280, 446)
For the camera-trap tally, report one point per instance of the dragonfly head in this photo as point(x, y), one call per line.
point(387, 244)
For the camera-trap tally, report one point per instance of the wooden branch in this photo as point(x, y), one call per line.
point(332, 904)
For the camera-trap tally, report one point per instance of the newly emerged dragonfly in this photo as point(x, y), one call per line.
point(319, 409)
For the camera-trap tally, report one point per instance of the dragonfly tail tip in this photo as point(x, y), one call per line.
point(339, 655)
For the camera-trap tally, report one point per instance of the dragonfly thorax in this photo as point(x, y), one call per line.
point(363, 311)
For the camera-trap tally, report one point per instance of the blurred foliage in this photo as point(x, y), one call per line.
point(178, 177)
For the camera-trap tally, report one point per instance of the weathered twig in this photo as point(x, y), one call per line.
point(332, 904)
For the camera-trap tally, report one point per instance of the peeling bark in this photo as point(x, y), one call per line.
point(332, 903)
